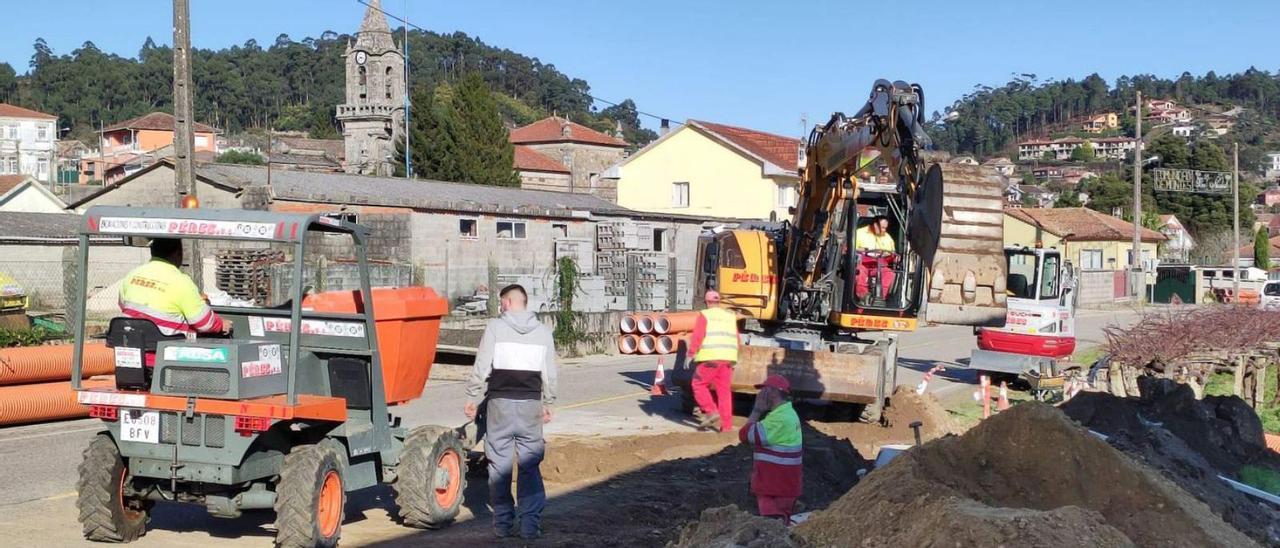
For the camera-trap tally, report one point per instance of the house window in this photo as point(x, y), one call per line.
point(202, 141)
point(1091, 259)
point(659, 239)
point(42, 168)
point(560, 230)
point(679, 194)
point(786, 196)
point(511, 230)
point(13, 132)
point(467, 229)
point(42, 133)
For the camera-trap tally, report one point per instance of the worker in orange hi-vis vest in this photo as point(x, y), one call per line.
point(714, 347)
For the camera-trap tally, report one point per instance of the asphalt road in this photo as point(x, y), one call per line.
point(599, 396)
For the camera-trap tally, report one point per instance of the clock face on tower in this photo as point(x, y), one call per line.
point(361, 57)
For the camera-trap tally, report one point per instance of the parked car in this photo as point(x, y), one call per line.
point(1270, 299)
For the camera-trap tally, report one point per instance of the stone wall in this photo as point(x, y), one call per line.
point(586, 162)
point(539, 180)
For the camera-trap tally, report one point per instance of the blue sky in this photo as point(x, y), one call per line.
point(756, 63)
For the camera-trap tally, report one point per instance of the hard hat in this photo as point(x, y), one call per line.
point(712, 296)
point(776, 381)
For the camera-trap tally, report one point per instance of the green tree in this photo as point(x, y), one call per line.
point(8, 83)
point(1108, 193)
point(1068, 198)
point(1048, 155)
point(485, 153)
point(1083, 153)
point(1262, 249)
point(241, 157)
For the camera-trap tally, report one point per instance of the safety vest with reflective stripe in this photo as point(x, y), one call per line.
point(777, 450)
point(721, 340)
point(160, 292)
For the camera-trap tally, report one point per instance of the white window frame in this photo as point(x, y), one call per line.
point(680, 194)
point(201, 140)
point(42, 167)
point(475, 228)
point(784, 196)
point(42, 132)
point(519, 229)
point(13, 131)
point(1086, 264)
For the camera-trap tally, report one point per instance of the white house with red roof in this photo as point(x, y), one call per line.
point(28, 142)
point(559, 154)
point(712, 170)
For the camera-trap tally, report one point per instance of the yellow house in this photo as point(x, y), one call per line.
point(1089, 239)
point(711, 170)
point(1102, 122)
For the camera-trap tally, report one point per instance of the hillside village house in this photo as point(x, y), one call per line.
point(1179, 244)
point(1111, 148)
point(568, 148)
point(27, 140)
point(69, 154)
point(132, 145)
point(1090, 240)
point(1271, 167)
point(712, 170)
point(1002, 165)
point(1101, 122)
point(1164, 111)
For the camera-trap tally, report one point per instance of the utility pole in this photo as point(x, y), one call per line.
point(183, 139)
point(1135, 260)
point(1235, 223)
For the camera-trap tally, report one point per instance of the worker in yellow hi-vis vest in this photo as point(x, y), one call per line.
point(714, 346)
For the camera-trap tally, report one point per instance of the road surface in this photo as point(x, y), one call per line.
point(598, 396)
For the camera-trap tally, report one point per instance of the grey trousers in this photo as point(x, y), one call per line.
point(514, 434)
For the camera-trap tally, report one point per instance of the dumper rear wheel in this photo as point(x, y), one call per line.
point(431, 478)
point(310, 496)
point(106, 513)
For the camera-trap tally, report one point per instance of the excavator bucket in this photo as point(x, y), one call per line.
point(966, 285)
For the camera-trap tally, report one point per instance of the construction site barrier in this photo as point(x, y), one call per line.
point(675, 322)
point(33, 364)
point(28, 403)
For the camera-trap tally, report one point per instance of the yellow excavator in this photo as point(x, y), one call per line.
point(824, 310)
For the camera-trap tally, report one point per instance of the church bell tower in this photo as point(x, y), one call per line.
point(372, 117)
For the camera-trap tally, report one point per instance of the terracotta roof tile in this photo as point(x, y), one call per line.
point(783, 152)
point(528, 159)
point(15, 111)
point(160, 121)
point(552, 130)
point(1079, 224)
point(8, 182)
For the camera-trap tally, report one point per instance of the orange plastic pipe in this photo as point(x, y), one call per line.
point(32, 364)
point(648, 344)
point(627, 324)
point(627, 344)
point(644, 323)
point(675, 322)
point(28, 403)
point(669, 343)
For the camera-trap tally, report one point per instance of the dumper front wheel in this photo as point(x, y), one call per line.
point(310, 496)
point(431, 478)
point(106, 513)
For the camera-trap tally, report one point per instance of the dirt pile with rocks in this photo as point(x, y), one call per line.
point(1190, 442)
point(905, 407)
point(729, 527)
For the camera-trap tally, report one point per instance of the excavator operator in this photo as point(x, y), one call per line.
point(877, 255)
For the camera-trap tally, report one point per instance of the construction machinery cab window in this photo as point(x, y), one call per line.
point(1022, 276)
point(511, 230)
point(731, 254)
point(1050, 285)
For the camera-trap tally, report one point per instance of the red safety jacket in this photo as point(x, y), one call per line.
point(777, 448)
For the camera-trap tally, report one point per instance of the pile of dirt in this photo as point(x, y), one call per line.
point(1190, 442)
point(643, 489)
point(905, 407)
point(729, 527)
point(1027, 476)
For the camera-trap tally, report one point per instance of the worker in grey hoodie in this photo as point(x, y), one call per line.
point(516, 369)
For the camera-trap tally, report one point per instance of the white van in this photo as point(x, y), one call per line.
point(1270, 298)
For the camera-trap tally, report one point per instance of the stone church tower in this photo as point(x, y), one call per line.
point(372, 117)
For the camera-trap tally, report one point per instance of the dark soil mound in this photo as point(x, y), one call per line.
point(729, 527)
point(1027, 476)
point(1189, 442)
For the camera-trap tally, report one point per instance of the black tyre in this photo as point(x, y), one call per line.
point(311, 496)
point(106, 514)
point(431, 478)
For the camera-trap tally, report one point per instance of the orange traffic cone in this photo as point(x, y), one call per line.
point(1003, 402)
point(659, 387)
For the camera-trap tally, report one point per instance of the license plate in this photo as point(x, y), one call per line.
point(128, 357)
point(138, 425)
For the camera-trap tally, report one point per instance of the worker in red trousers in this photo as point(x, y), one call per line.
point(773, 433)
point(714, 347)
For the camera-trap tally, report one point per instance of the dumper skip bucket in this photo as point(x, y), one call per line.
point(408, 320)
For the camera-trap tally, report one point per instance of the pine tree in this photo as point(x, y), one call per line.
point(456, 134)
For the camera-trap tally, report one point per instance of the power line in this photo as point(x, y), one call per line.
point(592, 97)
